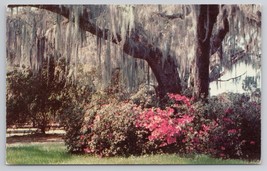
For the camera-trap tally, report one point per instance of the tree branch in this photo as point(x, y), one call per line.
point(136, 45)
point(237, 56)
point(233, 77)
point(171, 17)
point(217, 38)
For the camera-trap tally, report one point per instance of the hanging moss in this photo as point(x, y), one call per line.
point(58, 40)
point(175, 37)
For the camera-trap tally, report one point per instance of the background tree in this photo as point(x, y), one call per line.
point(33, 98)
point(205, 22)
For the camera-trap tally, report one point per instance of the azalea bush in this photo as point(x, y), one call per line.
point(237, 129)
point(168, 127)
point(183, 126)
point(228, 126)
point(110, 130)
point(112, 127)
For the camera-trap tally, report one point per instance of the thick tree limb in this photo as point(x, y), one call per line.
point(135, 45)
point(64, 11)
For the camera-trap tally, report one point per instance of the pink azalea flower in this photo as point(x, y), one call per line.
point(252, 142)
point(87, 150)
point(205, 128)
point(171, 139)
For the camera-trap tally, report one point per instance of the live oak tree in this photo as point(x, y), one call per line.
point(172, 39)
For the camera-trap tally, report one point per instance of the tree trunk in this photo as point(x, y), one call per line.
point(205, 21)
point(167, 76)
point(42, 129)
point(40, 51)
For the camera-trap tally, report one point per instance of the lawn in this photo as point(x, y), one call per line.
point(55, 153)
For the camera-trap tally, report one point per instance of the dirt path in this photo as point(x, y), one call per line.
point(35, 138)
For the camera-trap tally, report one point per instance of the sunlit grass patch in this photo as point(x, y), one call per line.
point(48, 153)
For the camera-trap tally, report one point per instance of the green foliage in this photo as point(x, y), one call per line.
point(74, 99)
point(145, 97)
point(33, 97)
point(15, 102)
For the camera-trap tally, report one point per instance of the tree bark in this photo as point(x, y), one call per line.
point(205, 22)
point(136, 45)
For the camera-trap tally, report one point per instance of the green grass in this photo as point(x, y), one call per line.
point(52, 153)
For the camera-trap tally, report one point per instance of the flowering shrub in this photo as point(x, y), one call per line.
point(238, 127)
point(163, 126)
point(122, 128)
point(110, 130)
point(251, 130)
point(228, 126)
point(167, 126)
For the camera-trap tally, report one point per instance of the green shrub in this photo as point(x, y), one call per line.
point(74, 100)
point(32, 96)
